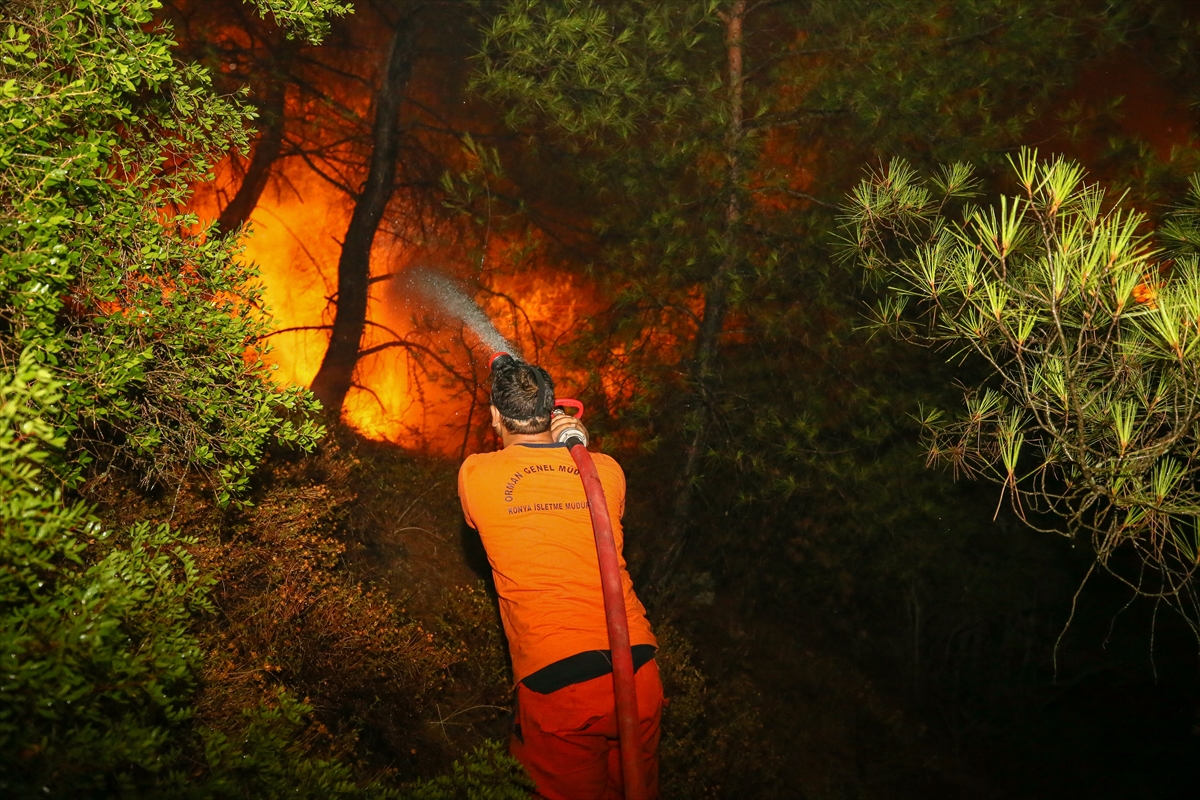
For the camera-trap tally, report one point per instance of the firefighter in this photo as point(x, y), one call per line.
point(528, 504)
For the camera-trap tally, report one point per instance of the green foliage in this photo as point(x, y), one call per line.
point(489, 773)
point(308, 18)
point(1181, 231)
point(470, 629)
point(696, 216)
point(898, 71)
point(592, 70)
point(35, 517)
point(150, 325)
point(100, 656)
point(290, 617)
point(1089, 337)
point(943, 79)
point(269, 756)
point(96, 661)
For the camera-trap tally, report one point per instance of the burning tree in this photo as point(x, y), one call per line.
point(1091, 335)
point(334, 378)
point(359, 127)
point(253, 54)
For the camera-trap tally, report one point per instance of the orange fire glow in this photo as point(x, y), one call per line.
point(415, 385)
point(421, 379)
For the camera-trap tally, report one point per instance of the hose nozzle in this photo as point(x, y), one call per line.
point(572, 434)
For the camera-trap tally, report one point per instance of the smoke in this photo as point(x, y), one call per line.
point(455, 302)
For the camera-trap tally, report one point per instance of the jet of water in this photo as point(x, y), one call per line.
point(458, 304)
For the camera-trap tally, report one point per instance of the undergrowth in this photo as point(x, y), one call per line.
point(279, 672)
point(286, 648)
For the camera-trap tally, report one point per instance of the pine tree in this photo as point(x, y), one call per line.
point(1089, 334)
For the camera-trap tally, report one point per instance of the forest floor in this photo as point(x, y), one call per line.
point(354, 583)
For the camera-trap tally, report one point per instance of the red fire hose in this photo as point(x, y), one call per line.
point(614, 614)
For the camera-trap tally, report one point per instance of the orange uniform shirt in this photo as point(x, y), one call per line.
point(528, 504)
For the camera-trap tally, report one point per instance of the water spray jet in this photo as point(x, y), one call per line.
point(447, 294)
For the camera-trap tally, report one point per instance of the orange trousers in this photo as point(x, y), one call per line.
point(568, 739)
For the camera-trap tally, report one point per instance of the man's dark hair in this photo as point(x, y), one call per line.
point(524, 396)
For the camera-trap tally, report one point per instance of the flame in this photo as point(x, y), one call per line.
point(422, 380)
point(419, 381)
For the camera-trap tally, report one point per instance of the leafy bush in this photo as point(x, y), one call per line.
point(150, 325)
point(291, 617)
point(470, 628)
point(101, 656)
point(97, 661)
point(489, 773)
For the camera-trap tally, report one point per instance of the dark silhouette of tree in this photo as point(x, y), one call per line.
point(242, 51)
point(268, 147)
point(716, 304)
point(335, 377)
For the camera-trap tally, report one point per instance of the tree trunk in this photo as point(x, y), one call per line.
point(716, 298)
point(266, 153)
point(334, 378)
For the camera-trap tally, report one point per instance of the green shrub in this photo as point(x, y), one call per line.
point(150, 324)
point(96, 661)
point(489, 773)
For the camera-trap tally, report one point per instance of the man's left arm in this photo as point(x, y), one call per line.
point(614, 483)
